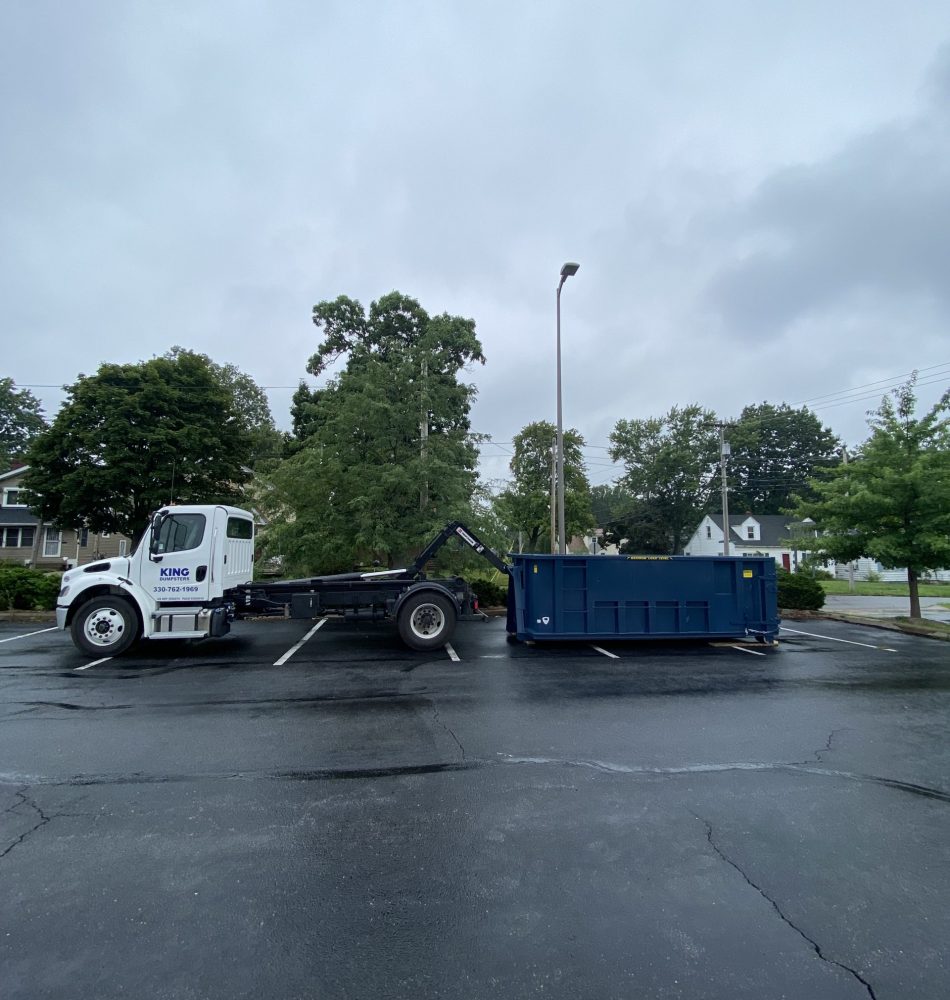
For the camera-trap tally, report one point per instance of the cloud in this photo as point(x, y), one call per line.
point(872, 218)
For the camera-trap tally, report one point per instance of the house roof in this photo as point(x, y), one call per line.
point(17, 470)
point(17, 515)
point(774, 529)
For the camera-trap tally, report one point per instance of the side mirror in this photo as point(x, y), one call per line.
point(154, 553)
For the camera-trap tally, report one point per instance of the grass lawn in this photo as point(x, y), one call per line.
point(864, 589)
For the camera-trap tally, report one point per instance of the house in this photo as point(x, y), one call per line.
point(870, 569)
point(26, 541)
point(751, 535)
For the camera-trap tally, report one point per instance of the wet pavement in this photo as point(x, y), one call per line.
point(935, 608)
point(630, 821)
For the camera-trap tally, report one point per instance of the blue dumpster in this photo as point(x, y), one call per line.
point(640, 597)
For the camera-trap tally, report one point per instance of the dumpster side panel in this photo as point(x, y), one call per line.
point(602, 597)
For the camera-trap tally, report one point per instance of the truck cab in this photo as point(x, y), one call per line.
point(175, 584)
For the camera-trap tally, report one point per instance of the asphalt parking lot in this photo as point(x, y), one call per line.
point(250, 817)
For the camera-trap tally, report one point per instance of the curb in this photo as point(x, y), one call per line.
point(27, 616)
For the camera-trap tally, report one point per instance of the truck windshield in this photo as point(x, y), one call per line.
point(180, 532)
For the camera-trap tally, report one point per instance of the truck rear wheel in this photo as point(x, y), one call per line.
point(105, 626)
point(426, 621)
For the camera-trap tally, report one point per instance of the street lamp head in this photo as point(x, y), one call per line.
point(568, 269)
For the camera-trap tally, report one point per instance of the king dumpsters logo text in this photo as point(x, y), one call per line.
point(174, 572)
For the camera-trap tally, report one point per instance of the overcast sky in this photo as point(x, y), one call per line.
point(758, 194)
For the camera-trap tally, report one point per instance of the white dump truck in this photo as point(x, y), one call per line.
point(192, 573)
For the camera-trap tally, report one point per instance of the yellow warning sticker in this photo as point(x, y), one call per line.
point(747, 574)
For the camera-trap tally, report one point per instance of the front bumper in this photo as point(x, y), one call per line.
point(61, 613)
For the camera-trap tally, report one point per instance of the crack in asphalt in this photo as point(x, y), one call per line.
point(798, 930)
point(795, 767)
point(829, 743)
point(466, 764)
point(25, 800)
point(438, 719)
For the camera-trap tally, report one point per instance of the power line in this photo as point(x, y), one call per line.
point(880, 382)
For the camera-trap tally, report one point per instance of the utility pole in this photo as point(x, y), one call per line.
point(424, 435)
point(724, 451)
point(844, 458)
point(553, 500)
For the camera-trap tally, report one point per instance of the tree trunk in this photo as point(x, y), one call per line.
point(914, 594)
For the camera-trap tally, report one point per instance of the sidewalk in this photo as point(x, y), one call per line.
point(887, 607)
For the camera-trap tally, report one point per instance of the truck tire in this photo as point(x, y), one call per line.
point(426, 620)
point(105, 626)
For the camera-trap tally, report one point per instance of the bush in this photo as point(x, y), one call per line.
point(799, 592)
point(23, 589)
point(491, 594)
point(814, 569)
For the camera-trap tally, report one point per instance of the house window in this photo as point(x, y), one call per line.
point(750, 532)
point(123, 545)
point(83, 538)
point(708, 531)
point(11, 497)
point(17, 538)
point(52, 543)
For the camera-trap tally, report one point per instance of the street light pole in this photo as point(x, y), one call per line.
point(566, 271)
point(724, 450)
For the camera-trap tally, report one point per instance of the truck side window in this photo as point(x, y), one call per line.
point(240, 527)
point(180, 532)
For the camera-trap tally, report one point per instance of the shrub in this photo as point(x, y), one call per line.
point(23, 589)
point(814, 569)
point(491, 594)
point(799, 592)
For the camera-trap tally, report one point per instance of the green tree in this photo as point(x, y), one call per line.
point(21, 420)
point(670, 465)
point(631, 523)
point(892, 502)
point(525, 505)
point(383, 452)
point(610, 502)
point(641, 527)
point(131, 437)
point(250, 404)
point(776, 450)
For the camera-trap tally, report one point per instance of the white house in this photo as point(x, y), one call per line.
point(868, 568)
point(750, 535)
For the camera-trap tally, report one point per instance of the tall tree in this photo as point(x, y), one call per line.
point(892, 502)
point(525, 504)
point(670, 464)
point(21, 420)
point(640, 527)
point(133, 436)
point(384, 452)
point(250, 404)
point(776, 450)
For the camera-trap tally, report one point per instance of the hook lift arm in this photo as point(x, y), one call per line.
point(452, 530)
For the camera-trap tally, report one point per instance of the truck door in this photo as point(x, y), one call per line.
point(178, 569)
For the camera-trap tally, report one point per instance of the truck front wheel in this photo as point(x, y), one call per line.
point(426, 621)
point(105, 626)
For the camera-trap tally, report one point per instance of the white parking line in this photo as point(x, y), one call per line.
point(453, 656)
point(831, 638)
point(95, 663)
point(26, 635)
point(754, 652)
point(293, 649)
point(613, 656)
